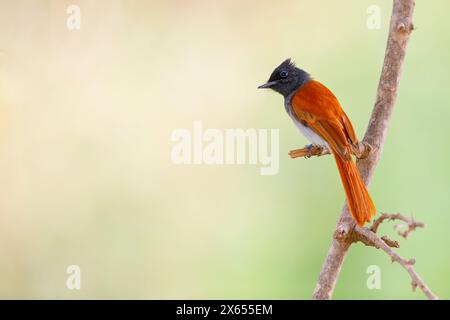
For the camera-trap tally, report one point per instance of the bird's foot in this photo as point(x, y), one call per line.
point(361, 150)
point(310, 148)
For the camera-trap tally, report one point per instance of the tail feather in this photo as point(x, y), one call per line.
point(358, 198)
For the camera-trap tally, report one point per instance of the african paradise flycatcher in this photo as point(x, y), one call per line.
point(318, 115)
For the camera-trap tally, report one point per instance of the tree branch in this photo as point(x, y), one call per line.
point(369, 238)
point(361, 150)
point(347, 232)
point(309, 151)
point(411, 224)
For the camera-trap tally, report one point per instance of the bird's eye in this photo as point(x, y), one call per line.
point(284, 74)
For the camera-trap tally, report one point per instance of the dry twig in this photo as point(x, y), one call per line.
point(410, 224)
point(371, 239)
point(360, 150)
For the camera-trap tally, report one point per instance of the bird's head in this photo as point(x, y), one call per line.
point(286, 78)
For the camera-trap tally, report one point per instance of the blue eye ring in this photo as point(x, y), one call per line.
point(284, 74)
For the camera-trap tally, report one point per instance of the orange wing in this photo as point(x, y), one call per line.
point(317, 107)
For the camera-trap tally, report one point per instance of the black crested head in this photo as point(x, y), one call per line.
point(286, 78)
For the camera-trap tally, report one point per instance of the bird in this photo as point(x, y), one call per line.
point(318, 115)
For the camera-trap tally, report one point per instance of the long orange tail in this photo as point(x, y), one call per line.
point(358, 199)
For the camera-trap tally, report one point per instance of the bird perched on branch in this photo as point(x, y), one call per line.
point(318, 115)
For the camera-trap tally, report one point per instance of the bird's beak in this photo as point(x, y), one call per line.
point(267, 85)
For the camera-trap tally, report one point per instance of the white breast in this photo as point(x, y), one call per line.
point(309, 134)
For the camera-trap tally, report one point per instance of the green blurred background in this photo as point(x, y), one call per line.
point(85, 170)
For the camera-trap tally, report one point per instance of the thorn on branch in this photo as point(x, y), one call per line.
point(411, 262)
point(390, 243)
